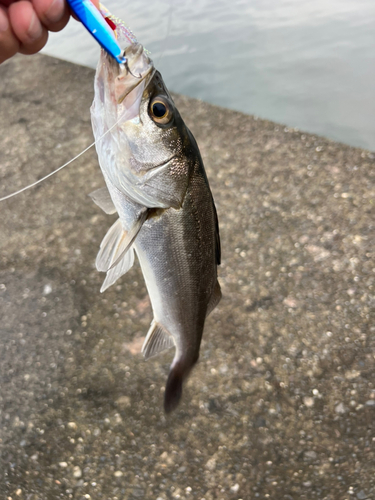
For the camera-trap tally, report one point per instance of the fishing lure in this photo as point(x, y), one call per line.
point(101, 26)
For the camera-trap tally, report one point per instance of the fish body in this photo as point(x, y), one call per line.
point(158, 186)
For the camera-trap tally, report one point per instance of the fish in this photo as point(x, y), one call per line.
point(156, 183)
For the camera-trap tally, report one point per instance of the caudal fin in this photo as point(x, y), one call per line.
point(173, 389)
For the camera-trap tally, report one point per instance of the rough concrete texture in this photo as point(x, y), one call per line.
point(282, 402)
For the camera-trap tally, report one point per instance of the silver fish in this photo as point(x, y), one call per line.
point(157, 184)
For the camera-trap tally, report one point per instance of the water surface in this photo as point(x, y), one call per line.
point(307, 64)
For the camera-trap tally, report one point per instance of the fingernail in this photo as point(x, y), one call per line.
point(4, 23)
point(35, 30)
point(55, 12)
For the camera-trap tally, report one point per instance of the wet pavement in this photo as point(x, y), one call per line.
point(282, 402)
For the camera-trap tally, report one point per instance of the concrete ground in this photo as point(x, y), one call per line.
point(282, 402)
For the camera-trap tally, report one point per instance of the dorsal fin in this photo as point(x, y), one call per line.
point(102, 198)
point(215, 298)
point(158, 339)
point(217, 236)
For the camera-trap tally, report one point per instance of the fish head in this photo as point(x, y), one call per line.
point(143, 145)
point(158, 133)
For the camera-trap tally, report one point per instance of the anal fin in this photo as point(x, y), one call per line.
point(215, 298)
point(158, 339)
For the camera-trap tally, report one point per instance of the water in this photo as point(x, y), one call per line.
point(308, 64)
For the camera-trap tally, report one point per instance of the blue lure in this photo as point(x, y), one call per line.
point(95, 24)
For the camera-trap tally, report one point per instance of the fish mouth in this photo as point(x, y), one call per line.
point(137, 68)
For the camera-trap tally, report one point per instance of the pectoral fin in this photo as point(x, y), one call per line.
point(158, 188)
point(161, 186)
point(158, 339)
point(117, 242)
point(118, 270)
point(102, 198)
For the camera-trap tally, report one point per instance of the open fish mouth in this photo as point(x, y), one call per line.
point(137, 69)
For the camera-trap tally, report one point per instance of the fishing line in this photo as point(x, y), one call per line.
point(169, 25)
point(49, 175)
point(73, 159)
point(60, 168)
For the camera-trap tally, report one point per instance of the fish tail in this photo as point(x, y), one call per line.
point(178, 373)
point(173, 389)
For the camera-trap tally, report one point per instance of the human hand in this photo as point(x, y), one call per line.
point(24, 24)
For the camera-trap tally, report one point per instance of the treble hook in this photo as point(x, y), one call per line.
point(126, 66)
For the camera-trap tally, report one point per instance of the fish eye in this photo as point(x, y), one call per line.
point(160, 110)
